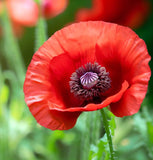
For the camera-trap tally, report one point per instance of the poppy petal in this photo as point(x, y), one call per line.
point(78, 41)
point(38, 74)
point(133, 97)
point(42, 93)
point(131, 101)
point(92, 107)
point(60, 77)
point(53, 119)
point(1, 7)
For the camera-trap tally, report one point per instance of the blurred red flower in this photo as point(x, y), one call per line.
point(1, 7)
point(131, 13)
point(51, 8)
point(22, 13)
point(85, 67)
point(25, 13)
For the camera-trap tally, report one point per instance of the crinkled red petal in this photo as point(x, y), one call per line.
point(37, 85)
point(133, 97)
point(40, 92)
point(53, 119)
point(61, 69)
point(92, 107)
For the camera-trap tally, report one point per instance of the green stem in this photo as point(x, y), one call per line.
point(12, 52)
point(41, 33)
point(41, 29)
point(4, 118)
point(108, 133)
point(96, 119)
point(85, 140)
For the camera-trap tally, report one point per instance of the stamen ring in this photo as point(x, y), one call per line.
point(90, 81)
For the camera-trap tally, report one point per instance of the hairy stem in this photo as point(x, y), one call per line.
point(108, 133)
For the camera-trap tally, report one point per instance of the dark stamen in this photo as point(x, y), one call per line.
point(90, 82)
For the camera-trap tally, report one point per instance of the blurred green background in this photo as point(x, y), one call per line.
point(21, 138)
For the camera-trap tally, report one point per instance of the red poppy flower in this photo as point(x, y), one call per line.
point(1, 7)
point(85, 67)
point(130, 13)
point(51, 8)
point(22, 13)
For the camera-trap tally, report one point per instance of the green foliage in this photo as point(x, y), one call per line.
point(11, 48)
point(4, 94)
point(101, 151)
point(144, 126)
point(37, 1)
point(134, 140)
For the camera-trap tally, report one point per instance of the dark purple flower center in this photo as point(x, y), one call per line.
point(89, 82)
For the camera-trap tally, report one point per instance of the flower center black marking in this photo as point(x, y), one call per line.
point(90, 81)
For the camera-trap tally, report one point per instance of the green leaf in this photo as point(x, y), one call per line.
point(100, 151)
point(144, 126)
point(150, 132)
point(112, 124)
point(140, 125)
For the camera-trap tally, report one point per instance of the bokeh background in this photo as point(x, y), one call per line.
point(21, 138)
